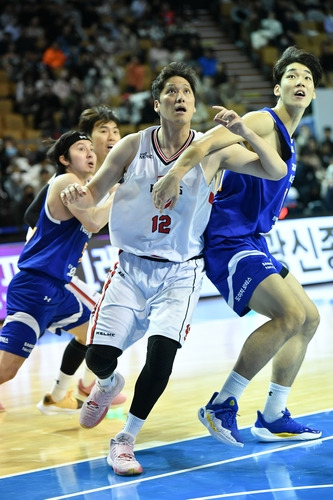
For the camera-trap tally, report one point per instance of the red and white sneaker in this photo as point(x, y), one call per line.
point(121, 456)
point(98, 402)
point(84, 391)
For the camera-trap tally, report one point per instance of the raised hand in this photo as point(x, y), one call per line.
point(166, 191)
point(72, 193)
point(231, 120)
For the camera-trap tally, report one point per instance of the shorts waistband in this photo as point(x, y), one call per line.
point(156, 259)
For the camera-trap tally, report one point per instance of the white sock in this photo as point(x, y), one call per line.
point(106, 384)
point(234, 386)
point(276, 402)
point(133, 425)
point(88, 377)
point(60, 386)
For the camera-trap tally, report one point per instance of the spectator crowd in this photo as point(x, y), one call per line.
point(64, 56)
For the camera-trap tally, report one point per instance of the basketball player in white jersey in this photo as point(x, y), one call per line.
point(156, 284)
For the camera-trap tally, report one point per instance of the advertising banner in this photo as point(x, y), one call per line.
point(305, 246)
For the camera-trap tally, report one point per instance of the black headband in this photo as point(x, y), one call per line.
point(77, 136)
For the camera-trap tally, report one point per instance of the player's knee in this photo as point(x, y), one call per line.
point(102, 360)
point(291, 322)
point(8, 371)
point(312, 322)
point(161, 354)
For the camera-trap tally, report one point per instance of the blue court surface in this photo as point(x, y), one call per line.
point(200, 468)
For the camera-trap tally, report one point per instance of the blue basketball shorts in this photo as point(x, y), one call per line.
point(237, 266)
point(35, 304)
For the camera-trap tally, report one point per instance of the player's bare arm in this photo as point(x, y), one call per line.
point(93, 219)
point(109, 174)
point(234, 130)
point(166, 190)
point(262, 161)
point(266, 163)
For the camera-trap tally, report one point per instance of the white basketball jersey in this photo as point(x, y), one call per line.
point(136, 226)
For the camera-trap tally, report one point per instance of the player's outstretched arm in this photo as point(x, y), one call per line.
point(166, 190)
point(266, 163)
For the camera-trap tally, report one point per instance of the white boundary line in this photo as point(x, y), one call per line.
point(148, 446)
point(201, 467)
point(273, 490)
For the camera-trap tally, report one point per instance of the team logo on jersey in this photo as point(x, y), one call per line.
point(146, 156)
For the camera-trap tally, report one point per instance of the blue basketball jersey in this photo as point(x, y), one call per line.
point(56, 248)
point(245, 204)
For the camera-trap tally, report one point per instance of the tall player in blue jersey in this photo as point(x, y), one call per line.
point(240, 265)
point(37, 298)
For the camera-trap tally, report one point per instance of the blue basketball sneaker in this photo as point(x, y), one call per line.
point(220, 420)
point(282, 429)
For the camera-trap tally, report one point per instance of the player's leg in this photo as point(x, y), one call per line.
point(177, 301)
point(9, 365)
point(117, 321)
point(71, 314)
point(288, 360)
point(60, 398)
point(88, 296)
point(247, 276)
point(274, 299)
point(275, 423)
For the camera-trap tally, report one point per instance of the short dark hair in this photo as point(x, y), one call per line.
point(61, 147)
point(174, 69)
point(101, 113)
point(294, 54)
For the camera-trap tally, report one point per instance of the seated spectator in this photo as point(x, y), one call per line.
point(21, 206)
point(326, 61)
point(158, 55)
point(268, 34)
point(47, 105)
point(135, 74)
point(14, 183)
point(208, 63)
point(230, 92)
point(326, 146)
point(138, 8)
point(328, 21)
point(327, 188)
point(221, 75)
point(238, 14)
point(303, 135)
point(148, 114)
point(291, 27)
point(310, 174)
point(167, 14)
point(53, 57)
point(40, 171)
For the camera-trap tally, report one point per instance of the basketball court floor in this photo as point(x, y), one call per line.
point(53, 458)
